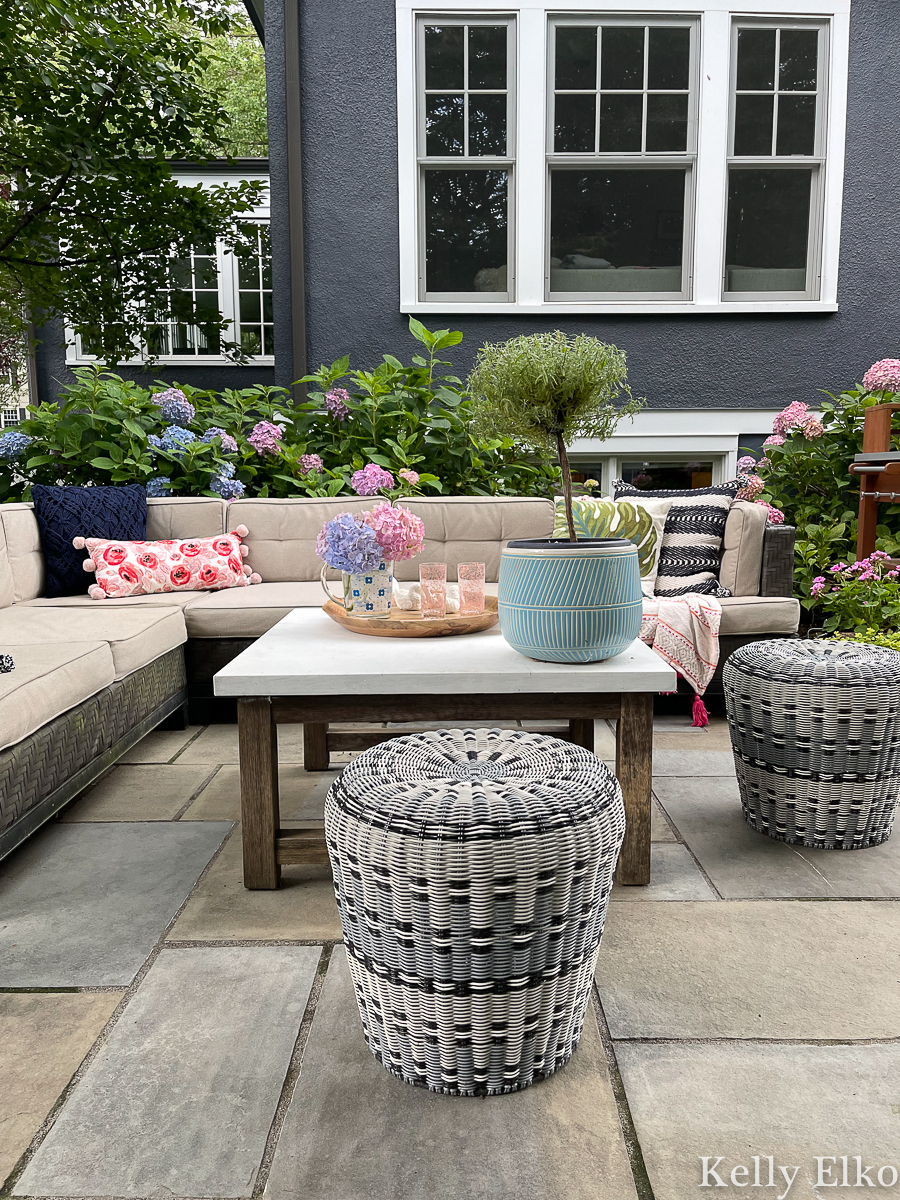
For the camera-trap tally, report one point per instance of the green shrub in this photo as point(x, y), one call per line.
point(873, 637)
point(411, 418)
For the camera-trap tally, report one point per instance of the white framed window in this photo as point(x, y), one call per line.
point(238, 285)
point(662, 157)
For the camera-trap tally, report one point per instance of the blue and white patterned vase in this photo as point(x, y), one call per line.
point(366, 595)
point(571, 602)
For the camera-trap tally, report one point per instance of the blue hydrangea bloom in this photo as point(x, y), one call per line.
point(228, 489)
point(174, 406)
point(159, 485)
point(13, 443)
point(226, 470)
point(347, 544)
point(173, 440)
point(154, 441)
point(229, 445)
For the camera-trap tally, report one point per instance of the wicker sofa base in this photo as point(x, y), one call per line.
point(43, 772)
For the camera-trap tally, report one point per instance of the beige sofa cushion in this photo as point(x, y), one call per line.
point(156, 600)
point(184, 517)
point(742, 548)
point(23, 548)
point(135, 636)
point(7, 591)
point(49, 678)
point(759, 614)
point(282, 537)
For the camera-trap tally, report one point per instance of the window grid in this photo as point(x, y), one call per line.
point(196, 278)
point(776, 93)
point(255, 324)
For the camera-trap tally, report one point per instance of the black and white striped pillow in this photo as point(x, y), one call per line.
point(692, 538)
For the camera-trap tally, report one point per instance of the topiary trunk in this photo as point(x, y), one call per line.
point(567, 485)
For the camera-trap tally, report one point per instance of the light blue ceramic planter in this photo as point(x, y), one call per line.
point(570, 602)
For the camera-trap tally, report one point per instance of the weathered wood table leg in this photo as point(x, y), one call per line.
point(258, 750)
point(315, 746)
point(581, 733)
point(634, 768)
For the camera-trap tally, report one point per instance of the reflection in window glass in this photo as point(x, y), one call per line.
point(193, 286)
point(255, 318)
point(616, 230)
point(444, 56)
point(770, 120)
point(768, 230)
point(576, 57)
point(653, 476)
point(465, 230)
point(466, 90)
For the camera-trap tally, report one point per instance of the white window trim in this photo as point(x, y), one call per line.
point(711, 182)
point(228, 290)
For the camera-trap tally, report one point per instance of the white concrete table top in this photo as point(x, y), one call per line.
point(307, 654)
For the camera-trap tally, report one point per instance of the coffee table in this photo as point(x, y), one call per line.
point(309, 670)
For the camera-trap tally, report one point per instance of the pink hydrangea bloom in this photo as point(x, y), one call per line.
point(311, 462)
point(336, 403)
point(751, 489)
point(790, 418)
point(763, 464)
point(812, 428)
point(776, 516)
point(400, 533)
point(883, 376)
point(371, 480)
point(775, 440)
point(746, 465)
point(265, 437)
point(411, 477)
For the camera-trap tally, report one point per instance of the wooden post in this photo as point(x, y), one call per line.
point(634, 768)
point(581, 732)
point(868, 516)
point(315, 747)
point(258, 750)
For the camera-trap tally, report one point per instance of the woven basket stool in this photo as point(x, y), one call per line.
point(472, 870)
point(815, 729)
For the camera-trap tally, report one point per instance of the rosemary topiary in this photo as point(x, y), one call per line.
point(545, 390)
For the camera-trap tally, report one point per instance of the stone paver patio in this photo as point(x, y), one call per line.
point(165, 1033)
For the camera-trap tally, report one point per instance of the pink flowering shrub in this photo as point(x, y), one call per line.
point(311, 462)
point(336, 403)
point(812, 428)
point(775, 440)
point(265, 438)
point(410, 477)
point(859, 595)
point(400, 533)
point(883, 376)
point(776, 516)
point(751, 489)
point(790, 418)
point(371, 480)
point(746, 465)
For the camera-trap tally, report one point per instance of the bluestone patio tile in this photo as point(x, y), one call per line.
point(43, 1040)
point(791, 1102)
point(692, 763)
point(219, 744)
point(660, 830)
point(160, 746)
point(221, 908)
point(673, 876)
point(82, 905)
point(180, 1099)
point(302, 794)
point(139, 793)
point(355, 1132)
point(745, 969)
point(742, 862)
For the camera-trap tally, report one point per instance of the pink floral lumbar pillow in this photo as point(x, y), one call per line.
point(143, 568)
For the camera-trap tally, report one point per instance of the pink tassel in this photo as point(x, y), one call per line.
point(96, 592)
point(255, 578)
point(701, 716)
point(245, 550)
point(78, 543)
point(241, 530)
point(89, 565)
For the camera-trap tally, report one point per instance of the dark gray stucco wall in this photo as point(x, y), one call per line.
point(350, 196)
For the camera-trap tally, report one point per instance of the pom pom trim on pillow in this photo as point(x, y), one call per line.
point(125, 569)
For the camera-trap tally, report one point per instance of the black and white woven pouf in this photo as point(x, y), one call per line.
point(815, 729)
point(472, 870)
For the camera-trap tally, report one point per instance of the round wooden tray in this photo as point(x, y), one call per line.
point(412, 625)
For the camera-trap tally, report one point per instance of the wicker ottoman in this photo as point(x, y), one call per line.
point(815, 729)
point(472, 870)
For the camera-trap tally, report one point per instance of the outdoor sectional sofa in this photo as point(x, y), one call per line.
point(93, 676)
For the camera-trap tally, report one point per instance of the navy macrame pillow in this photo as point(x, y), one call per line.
point(64, 513)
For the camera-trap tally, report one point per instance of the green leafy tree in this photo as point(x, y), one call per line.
point(95, 96)
point(545, 390)
point(235, 73)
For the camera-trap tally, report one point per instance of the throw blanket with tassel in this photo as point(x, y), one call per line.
point(685, 633)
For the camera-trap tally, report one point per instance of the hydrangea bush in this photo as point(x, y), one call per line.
point(397, 430)
point(806, 477)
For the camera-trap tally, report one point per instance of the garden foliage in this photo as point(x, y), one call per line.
point(393, 430)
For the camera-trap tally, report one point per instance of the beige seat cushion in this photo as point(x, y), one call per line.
point(184, 517)
point(156, 600)
point(7, 590)
point(759, 614)
point(23, 549)
point(742, 548)
point(135, 636)
point(49, 678)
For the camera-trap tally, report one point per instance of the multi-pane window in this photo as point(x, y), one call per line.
point(465, 89)
point(192, 285)
point(622, 134)
point(776, 160)
point(254, 313)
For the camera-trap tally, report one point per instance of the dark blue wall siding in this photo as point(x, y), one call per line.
point(350, 170)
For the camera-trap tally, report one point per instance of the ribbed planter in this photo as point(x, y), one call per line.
point(472, 871)
point(815, 729)
point(570, 602)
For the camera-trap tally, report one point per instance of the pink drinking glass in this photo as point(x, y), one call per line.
point(433, 590)
point(471, 588)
